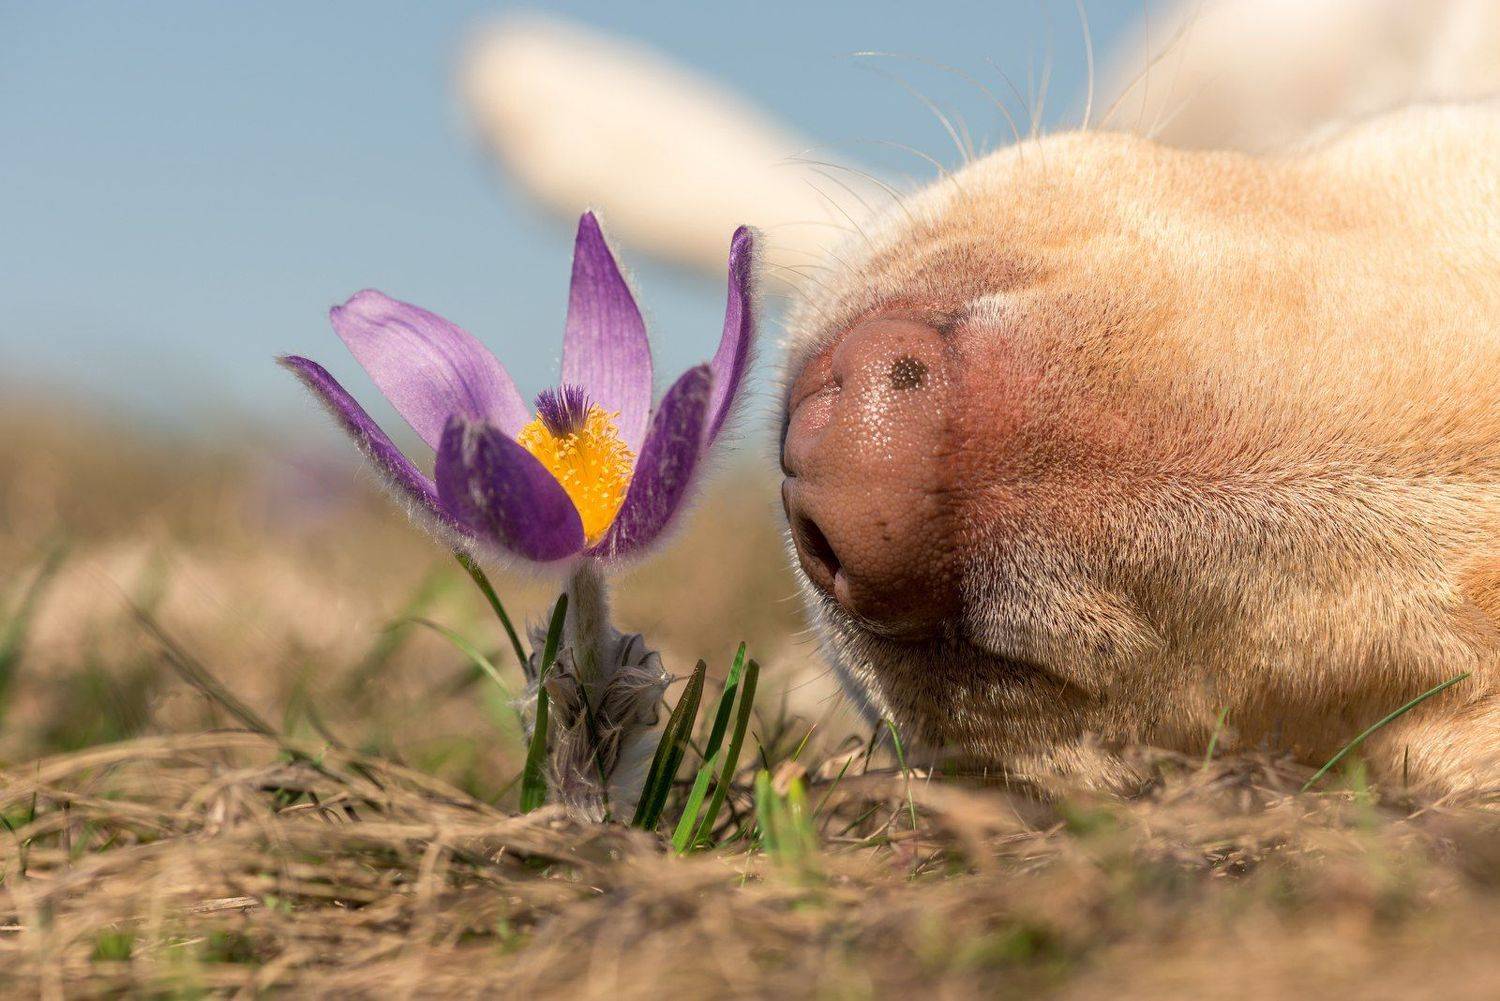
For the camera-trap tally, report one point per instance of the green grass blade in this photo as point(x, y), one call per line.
point(765, 812)
point(1434, 690)
point(731, 759)
point(786, 831)
point(911, 804)
point(799, 823)
point(388, 641)
point(832, 788)
point(194, 673)
point(669, 752)
point(1213, 741)
point(802, 744)
point(534, 775)
point(488, 590)
point(13, 632)
point(725, 705)
point(468, 649)
point(688, 822)
point(534, 778)
point(682, 835)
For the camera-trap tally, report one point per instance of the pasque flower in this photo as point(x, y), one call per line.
point(595, 471)
point(594, 475)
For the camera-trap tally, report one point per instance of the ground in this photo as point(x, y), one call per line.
point(233, 762)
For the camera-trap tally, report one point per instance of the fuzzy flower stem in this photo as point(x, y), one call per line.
point(588, 627)
point(603, 694)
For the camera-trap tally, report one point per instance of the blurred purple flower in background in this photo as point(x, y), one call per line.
point(595, 472)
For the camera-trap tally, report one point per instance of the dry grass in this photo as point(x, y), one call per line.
point(368, 847)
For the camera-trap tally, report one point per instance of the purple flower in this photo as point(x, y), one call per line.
point(596, 471)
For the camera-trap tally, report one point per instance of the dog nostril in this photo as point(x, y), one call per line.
point(816, 552)
point(907, 373)
point(868, 489)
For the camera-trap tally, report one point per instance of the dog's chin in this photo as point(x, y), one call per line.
point(948, 645)
point(975, 712)
point(939, 685)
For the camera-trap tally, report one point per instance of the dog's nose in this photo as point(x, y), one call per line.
point(867, 483)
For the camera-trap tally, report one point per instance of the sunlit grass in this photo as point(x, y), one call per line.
point(239, 756)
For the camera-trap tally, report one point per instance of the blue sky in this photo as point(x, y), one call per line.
point(185, 187)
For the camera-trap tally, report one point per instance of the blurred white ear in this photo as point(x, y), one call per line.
point(674, 161)
point(1264, 74)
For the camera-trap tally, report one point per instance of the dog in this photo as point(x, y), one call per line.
point(1183, 426)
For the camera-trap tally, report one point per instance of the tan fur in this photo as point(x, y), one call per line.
point(1227, 435)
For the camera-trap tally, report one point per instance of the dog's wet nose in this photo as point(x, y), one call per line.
point(868, 484)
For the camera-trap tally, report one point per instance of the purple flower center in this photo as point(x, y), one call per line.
point(563, 409)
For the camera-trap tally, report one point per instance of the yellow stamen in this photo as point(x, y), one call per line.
point(592, 463)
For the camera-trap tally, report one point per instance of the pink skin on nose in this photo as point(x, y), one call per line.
point(868, 481)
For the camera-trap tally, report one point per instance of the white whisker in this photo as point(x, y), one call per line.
point(896, 196)
point(893, 144)
point(1038, 114)
point(1182, 105)
point(963, 151)
point(1142, 79)
point(1030, 102)
point(840, 208)
point(1088, 54)
point(1000, 105)
point(826, 223)
point(1145, 73)
point(819, 167)
point(1158, 125)
point(1032, 134)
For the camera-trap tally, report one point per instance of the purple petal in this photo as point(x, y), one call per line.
point(503, 494)
point(399, 472)
point(665, 469)
point(732, 360)
point(428, 368)
point(605, 351)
